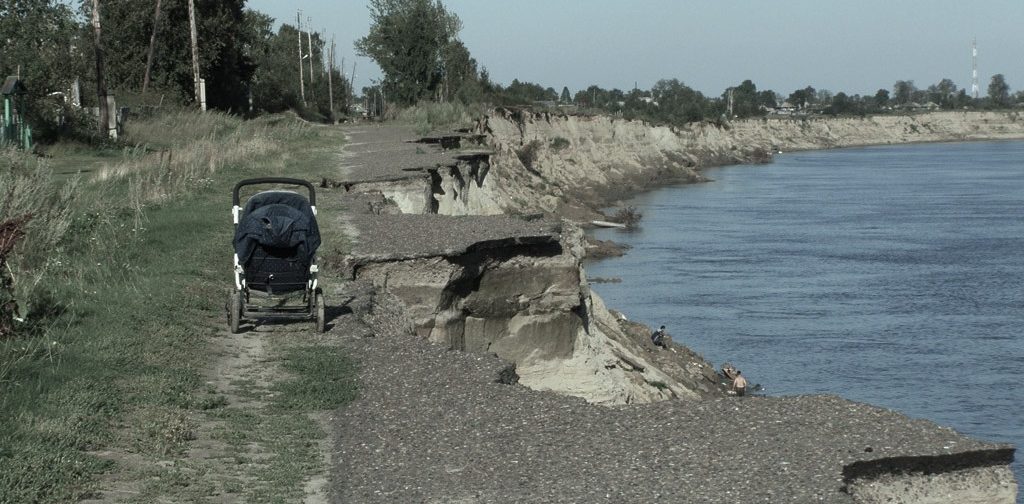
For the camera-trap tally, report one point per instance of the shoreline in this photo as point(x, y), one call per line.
point(526, 299)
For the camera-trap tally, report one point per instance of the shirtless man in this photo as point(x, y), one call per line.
point(739, 384)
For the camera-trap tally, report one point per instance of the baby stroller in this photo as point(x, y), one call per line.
point(276, 237)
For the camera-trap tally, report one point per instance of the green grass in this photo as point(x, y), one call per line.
point(128, 305)
point(322, 378)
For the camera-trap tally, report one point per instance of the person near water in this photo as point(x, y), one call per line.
point(658, 337)
point(739, 384)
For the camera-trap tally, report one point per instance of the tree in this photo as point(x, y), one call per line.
point(275, 85)
point(223, 40)
point(803, 97)
point(744, 99)
point(565, 97)
point(766, 99)
point(903, 91)
point(999, 91)
point(841, 104)
point(881, 98)
point(409, 40)
point(942, 93)
point(677, 102)
point(43, 40)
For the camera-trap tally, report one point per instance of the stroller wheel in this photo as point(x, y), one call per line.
point(234, 311)
point(320, 309)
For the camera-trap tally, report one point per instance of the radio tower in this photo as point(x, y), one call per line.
point(974, 68)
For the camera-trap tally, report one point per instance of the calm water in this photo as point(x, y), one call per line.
point(889, 275)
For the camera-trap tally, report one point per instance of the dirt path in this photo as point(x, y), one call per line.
point(242, 446)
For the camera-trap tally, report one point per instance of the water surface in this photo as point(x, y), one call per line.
point(889, 275)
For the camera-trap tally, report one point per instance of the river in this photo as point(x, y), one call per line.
point(889, 275)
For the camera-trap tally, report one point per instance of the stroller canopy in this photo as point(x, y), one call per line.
point(277, 219)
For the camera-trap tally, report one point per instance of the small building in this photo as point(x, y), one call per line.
point(13, 128)
point(785, 109)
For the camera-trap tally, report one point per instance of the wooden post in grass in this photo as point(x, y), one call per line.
point(101, 86)
point(152, 42)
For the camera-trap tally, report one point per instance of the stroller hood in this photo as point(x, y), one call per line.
point(277, 219)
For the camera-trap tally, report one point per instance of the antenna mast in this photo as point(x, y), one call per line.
point(974, 68)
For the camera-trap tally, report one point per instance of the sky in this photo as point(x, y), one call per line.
point(856, 46)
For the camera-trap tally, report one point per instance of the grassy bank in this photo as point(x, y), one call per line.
point(122, 275)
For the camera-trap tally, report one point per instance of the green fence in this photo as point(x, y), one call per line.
point(13, 130)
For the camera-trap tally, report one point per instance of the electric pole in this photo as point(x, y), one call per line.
point(200, 92)
point(152, 42)
point(975, 89)
point(352, 86)
point(344, 81)
point(330, 78)
point(302, 84)
point(309, 40)
point(101, 86)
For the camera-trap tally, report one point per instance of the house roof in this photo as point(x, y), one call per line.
point(13, 85)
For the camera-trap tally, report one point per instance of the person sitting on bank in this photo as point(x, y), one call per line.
point(739, 384)
point(659, 338)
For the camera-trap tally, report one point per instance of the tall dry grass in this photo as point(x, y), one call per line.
point(182, 150)
point(427, 117)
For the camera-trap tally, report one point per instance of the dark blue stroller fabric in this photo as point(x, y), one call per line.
point(277, 220)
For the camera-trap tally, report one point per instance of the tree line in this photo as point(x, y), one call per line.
point(250, 68)
point(416, 45)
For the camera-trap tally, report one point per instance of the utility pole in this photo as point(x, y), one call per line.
point(309, 40)
point(352, 85)
point(975, 89)
point(101, 86)
point(343, 79)
point(330, 78)
point(302, 84)
point(152, 42)
point(199, 87)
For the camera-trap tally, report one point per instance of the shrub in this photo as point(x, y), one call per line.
point(559, 144)
point(528, 153)
point(629, 216)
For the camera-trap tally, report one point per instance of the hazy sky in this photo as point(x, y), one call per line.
point(857, 46)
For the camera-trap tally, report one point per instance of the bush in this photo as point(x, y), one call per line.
point(527, 154)
point(559, 144)
point(629, 216)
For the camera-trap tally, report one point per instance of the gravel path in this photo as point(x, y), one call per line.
point(409, 236)
point(378, 152)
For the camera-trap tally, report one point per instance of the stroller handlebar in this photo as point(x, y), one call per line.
point(273, 180)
